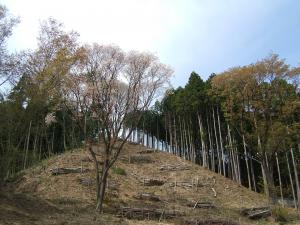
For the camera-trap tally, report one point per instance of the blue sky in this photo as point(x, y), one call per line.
point(205, 36)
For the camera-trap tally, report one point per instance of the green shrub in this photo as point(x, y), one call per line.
point(118, 170)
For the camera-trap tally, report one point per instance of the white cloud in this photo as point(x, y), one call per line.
point(202, 35)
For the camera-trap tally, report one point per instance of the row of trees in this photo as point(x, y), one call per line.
point(243, 123)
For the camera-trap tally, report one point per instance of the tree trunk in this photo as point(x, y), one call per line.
point(102, 187)
point(253, 174)
point(64, 131)
point(221, 143)
point(175, 137)
point(35, 143)
point(202, 142)
point(279, 177)
point(291, 180)
point(232, 157)
point(296, 178)
point(247, 164)
point(187, 152)
point(217, 143)
point(211, 147)
point(27, 145)
point(266, 187)
point(171, 135)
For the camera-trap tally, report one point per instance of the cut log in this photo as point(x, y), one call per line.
point(86, 181)
point(174, 167)
point(146, 213)
point(260, 214)
point(147, 196)
point(257, 213)
point(209, 222)
point(132, 143)
point(140, 159)
point(185, 184)
point(58, 171)
point(153, 182)
point(148, 151)
point(201, 205)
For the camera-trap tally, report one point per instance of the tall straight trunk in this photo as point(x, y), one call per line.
point(202, 142)
point(263, 166)
point(231, 165)
point(73, 144)
point(35, 152)
point(247, 163)
point(181, 139)
point(279, 177)
point(187, 151)
point(253, 174)
point(175, 137)
point(232, 160)
point(189, 142)
point(192, 142)
point(84, 128)
point(157, 134)
point(263, 171)
point(27, 145)
point(40, 147)
point(217, 143)
point(237, 162)
point(166, 130)
point(147, 141)
point(64, 131)
point(238, 166)
point(52, 140)
point(291, 179)
point(171, 133)
point(143, 141)
point(211, 147)
point(221, 143)
point(296, 178)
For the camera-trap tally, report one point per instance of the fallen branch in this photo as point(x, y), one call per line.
point(86, 181)
point(208, 222)
point(59, 171)
point(146, 213)
point(201, 205)
point(174, 167)
point(147, 151)
point(257, 213)
point(147, 196)
point(185, 184)
point(140, 159)
point(153, 182)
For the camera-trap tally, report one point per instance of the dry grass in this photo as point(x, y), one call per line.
point(69, 202)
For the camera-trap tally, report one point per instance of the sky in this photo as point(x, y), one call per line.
point(205, 36)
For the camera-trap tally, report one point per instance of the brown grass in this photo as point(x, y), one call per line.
point(65, 201)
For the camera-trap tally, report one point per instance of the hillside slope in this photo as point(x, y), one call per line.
point(38, 197)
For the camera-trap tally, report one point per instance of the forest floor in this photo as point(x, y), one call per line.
point(37, 197)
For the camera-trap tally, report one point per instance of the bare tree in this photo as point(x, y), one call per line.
point(110, 85)
point(7, 61)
